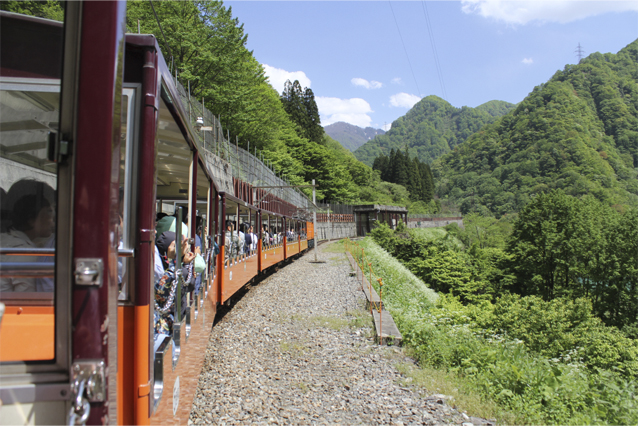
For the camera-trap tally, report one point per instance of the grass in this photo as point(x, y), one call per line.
point(293, 348)
point(303, 387)
point(463, 396)
point(409, 300)
point(435, 233)
point(334, 247)
point(352, 319)
point(430, 233)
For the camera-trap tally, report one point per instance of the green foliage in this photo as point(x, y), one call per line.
point(49, 9)
point(432, 128)
point(302, 109)
point(576, 132)
point(503, 350)
point(485, 232)
point(562, 246)
point(414, 175)
point(441, 264)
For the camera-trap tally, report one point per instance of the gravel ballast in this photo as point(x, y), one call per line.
point(298, 349)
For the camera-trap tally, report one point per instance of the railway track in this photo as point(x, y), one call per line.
point(299, 348)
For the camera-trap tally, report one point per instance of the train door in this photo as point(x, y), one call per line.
point(60, 117)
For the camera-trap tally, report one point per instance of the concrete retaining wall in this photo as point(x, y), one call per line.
point(335, 230)
point(435, 222)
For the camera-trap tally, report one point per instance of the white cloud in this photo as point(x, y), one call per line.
point(367, 84)
point(354, 111)
point(404, 100)
point(527, 61)
point(397, 80)
point(525, 11)
point(278, 77)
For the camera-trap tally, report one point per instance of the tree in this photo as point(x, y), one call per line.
point(542, 247)
point(48, 9)
point(302, 109)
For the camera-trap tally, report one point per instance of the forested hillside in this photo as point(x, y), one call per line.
point(350, 136)
point(578, 132)
point(400, 168)
point(208, 47)
point(432, 128)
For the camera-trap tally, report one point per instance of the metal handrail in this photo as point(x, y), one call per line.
point(32, 251)
point(26, 251)
point(27, 269)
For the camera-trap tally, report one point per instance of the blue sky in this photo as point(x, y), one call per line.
point(368, 62)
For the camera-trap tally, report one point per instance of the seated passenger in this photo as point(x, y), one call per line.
point(164, 303)
point(32, 220)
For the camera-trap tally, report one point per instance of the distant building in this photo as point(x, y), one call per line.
point(366, 216)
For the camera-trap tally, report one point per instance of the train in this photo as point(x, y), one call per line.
point(100, 147)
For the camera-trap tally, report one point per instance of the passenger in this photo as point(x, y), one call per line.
point(32, 220)
point(199, 228)
point(230, 243)
point(164, 286)
point(168, 224)
point(264, 236)
point(241, 240)
point(250, 237)
point(199, 265)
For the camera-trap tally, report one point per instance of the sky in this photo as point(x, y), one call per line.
point(369, 62)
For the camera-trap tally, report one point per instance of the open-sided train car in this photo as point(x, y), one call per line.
point(96, 141)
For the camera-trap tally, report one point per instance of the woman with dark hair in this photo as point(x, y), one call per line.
point(165, 287)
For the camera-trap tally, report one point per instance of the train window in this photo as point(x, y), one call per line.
point(29, 110)
point(127, 169)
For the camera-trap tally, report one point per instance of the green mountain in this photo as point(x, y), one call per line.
point(350, 136)
point(432, 128)
point(577, 132)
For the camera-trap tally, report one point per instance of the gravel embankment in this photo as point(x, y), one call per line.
point(297, 349)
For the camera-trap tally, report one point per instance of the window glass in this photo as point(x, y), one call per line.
point(29, 111)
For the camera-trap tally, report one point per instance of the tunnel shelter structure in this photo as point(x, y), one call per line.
point(366, 216)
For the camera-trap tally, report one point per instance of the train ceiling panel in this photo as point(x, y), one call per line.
point(173, 158)
point(28, 112)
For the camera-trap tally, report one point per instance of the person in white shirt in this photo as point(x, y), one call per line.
point(32, 220)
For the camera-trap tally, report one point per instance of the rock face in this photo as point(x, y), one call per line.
point(298, 348)
point(350, 136)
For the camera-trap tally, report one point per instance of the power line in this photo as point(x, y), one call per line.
point(406, 50)
point(436, 55)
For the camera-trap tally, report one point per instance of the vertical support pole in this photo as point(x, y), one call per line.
point(178, 265)
point(210, 225)
point(222, 247)
point(284, 238)
point(314, 217)
point(192, 200)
